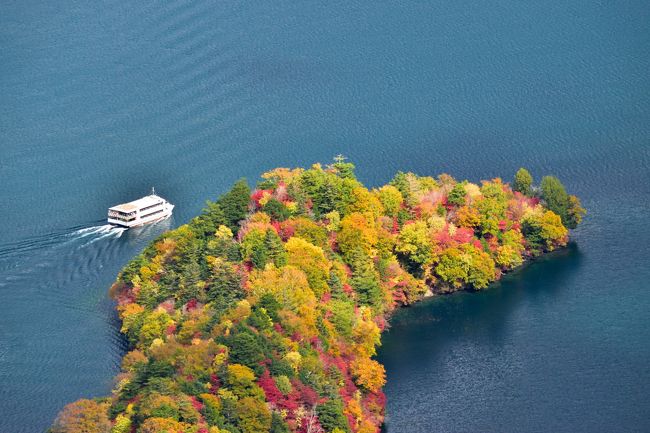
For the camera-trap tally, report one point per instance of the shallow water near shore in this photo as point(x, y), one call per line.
point(103, 100)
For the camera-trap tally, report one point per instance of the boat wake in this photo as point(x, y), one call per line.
point(60, 238)
point(97, 233)
point(22, 257)
point(54, 262)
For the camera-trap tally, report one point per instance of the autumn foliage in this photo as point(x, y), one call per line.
point(264, 313)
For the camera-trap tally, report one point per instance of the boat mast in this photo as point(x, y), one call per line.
point(153, 191)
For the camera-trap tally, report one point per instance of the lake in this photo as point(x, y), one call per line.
point(103, 100)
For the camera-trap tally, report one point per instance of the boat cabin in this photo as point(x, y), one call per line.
point(147, 209)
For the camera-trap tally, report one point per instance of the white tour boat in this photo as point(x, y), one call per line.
point(146, 210)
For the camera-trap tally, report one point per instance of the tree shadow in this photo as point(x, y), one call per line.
point(419, 334)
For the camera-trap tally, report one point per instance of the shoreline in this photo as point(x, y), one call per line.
point(265, 312)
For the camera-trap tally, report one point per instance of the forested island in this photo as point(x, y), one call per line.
point(264, 313)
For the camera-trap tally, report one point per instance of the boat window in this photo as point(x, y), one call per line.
point(151, 213)
point(122, 216)
point(149, 207)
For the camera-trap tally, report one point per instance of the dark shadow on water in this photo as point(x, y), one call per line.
point(420, 334)
point(121, 343)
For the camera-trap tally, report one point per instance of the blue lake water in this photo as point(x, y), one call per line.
point(102, 100)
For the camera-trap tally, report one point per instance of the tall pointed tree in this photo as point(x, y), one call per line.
point(234, 204)
point(523, 182)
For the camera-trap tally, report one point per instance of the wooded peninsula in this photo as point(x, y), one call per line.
point(264, 313)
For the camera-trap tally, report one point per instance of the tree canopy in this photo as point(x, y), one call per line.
point(568, 207)
point(264, 313)
point(523, 182)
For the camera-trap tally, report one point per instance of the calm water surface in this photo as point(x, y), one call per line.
point(102, 100)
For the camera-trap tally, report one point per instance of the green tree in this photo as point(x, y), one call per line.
point(327, 190)
point(190, 284)
point(556, 198)
point(234, 204)
point(457, 194)
point(212, 409)
point(401, 182)
point(283, 383)
point(209, 221)
point(246, 350)
point(523, 182)
point(260, 319)
point(278, 424)
point(276, 210)
point(365, 280)
point(330, 415)
point(342, 315)
point(275, 248)
point(224, 288)
point(344, 169)
point(223, 245)
point(264, 247)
